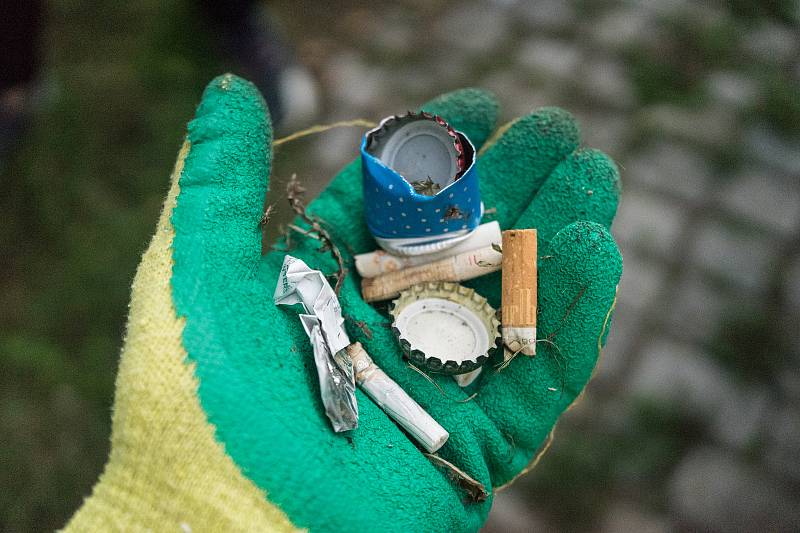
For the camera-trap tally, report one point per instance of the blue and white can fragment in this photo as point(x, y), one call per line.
point(421, 190)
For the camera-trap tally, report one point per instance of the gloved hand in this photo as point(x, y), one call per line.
point(217, 422)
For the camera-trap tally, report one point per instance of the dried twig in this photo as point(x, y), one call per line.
point(294, 193)
point(567, 313)
point(267, 214)
point(430, 380)
point(475, 489)
point(360, 324)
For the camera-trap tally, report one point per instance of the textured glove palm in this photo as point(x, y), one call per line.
point(217, 411)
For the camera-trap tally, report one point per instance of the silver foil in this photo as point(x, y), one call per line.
point(323, 323)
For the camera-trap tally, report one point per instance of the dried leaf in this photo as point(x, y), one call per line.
point(427, 187)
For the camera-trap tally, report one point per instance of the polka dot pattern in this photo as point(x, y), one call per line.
point(394, 210)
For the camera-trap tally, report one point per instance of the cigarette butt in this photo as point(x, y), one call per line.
point(459, 267)
point(380, 262)
point(518, 316)
point(395, 401)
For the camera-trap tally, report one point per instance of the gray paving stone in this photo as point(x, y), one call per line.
point(417, 82)
point(789, 379)
point(649, 221)
point(695, 309)
point(790, 288)
point(663, 7)
point(518, 95)
point(671, 167)
point(618, 351)
point(682, 375)
point(550, 57)
point(339, 147)
point(613, 417)
point(512, 512)
point(606, 81)
point(355, 86)
point(642, 281)
point(609, 131)
point(772, 42)
point(713, 491)
point(448, 70)
point(625, 516)
point(783, 442)
point(739, 422)
point(477, 27)
point(304, 105)
point(711, 126)
point(773, 151)
point(546, 14)
point(764, 196)
point(744, 259)
point(623, 27)
point(732, 88)
point(392, 37)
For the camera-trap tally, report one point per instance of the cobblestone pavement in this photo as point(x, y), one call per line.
point(693, 418)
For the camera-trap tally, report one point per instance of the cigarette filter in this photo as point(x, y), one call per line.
point(445, 327)
point(394, 400)
point(518, 314)
point(459, 267)
point(380, 262)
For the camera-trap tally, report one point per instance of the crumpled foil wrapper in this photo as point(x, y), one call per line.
point(323, 323)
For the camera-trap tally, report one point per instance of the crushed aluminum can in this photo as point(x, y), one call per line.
point(420, 184)
point(444, 327)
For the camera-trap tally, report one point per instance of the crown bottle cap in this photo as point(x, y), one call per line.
point(422, 148)
point(420, 181)
point(445, 327)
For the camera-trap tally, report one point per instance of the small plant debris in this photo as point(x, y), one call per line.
point(452, 213)
point(266, 216)
point(427, 187)
point(475, 489)
point(294, 193)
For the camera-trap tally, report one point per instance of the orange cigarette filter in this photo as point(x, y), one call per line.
point(518, 315)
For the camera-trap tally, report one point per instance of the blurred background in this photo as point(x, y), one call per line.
point(693, 419)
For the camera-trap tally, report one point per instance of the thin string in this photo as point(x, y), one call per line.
point(580, 397)
point(558, 355)
point(319, 128)
point(605, 325)
point(532, 464)
point(441, 390)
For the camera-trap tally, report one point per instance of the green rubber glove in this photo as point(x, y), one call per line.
point(252, 385)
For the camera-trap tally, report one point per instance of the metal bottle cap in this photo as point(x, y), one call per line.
point(445, 327)
point(420, 184)
point(422, 148)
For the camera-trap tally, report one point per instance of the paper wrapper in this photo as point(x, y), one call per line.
point(341, 365)
point(459, 267)
point(395, 402)
point(379, 262)
point(518, 316)
point(322, 322)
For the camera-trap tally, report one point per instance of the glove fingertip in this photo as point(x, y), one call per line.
point(235, 93)
point(472, 111)
point(546, 135)
point(587, 256)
